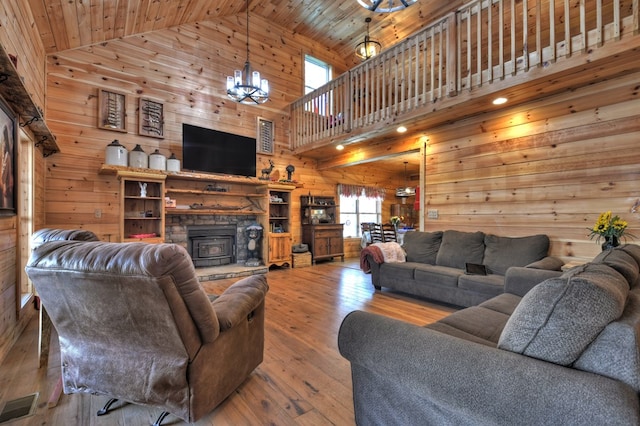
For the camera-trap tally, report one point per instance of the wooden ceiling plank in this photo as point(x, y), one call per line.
point(39, 11)
point(96, 13)
point(58, 24)
point(83, 16)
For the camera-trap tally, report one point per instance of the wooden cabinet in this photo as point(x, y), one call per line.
point(325, 240)
point(317, 210)
point(141, 207)
point(279, 232)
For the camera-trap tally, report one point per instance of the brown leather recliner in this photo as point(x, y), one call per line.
point(135, 324)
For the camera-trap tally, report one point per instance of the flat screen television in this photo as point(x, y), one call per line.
point(212, 151)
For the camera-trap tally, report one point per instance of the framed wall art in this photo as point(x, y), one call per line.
point(112, 113)
point(8, 138)
point(151, 118)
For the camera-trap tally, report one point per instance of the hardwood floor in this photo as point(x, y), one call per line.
point(303, 380)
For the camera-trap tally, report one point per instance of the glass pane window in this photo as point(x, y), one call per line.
point(357, 210)
point(316, 73)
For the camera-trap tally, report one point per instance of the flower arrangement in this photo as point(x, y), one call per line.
point(608, 227)
point(395, 220)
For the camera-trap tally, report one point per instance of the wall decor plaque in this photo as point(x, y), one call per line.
point(112, 114)
point(151, 118)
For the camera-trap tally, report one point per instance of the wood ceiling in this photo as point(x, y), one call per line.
point(338, 25)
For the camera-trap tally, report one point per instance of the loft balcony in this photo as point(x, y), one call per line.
point(449, 70)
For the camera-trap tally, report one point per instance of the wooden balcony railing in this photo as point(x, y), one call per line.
point(484, 41)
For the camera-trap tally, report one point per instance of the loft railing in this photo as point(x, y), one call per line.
point(484, 41)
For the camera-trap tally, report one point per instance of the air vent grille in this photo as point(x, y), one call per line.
point(265, 136)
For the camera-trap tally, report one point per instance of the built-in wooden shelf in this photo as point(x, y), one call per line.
point(175, 211)
point(15, 94)
point(217, 193)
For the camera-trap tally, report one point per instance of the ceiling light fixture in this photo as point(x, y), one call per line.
point(368, 48)
point(246, 86)
point(385, 6)
point(406, 191)
point(499, 101)
point(339, 147)
point(401, 129)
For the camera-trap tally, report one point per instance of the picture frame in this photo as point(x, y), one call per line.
point(112, 111)
point(151, 118)
point(8, 140)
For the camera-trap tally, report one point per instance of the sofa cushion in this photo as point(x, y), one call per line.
point(458, 248)
point(504, 252)
point(391, 273)
point(433, 275)
point(422, 246)
point(476, 324)
point(488, 284)
point(560, 317)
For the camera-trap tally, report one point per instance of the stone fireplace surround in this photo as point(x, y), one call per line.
point(177, 231)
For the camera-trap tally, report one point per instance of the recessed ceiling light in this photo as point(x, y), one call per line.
point(339, 147)
point(499, 101)
point(401, 129)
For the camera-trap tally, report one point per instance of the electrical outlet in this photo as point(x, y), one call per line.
point(98, 213)
point(432, 213)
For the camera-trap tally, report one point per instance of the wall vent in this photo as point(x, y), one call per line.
point(19, 408)
point(265, 137)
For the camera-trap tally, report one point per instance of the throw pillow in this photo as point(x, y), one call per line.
point(503, 252)
point(458, 248)
point(560, 317)
point(422, 247)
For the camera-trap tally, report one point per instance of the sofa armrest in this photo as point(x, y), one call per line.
point(375, 271)
point(519, 280)
point(434, 374)
point(550, 263)
point(238, 301)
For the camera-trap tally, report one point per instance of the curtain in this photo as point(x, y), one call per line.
point(347, 190)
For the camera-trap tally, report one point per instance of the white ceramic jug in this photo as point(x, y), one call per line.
point(115, 154)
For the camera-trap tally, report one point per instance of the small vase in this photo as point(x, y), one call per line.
point(610, 242)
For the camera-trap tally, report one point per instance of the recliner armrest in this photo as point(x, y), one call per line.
point(238, 301)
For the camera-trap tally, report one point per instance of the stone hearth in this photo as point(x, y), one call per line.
point(177, 231)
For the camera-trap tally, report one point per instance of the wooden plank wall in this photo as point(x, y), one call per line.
point(548, 167)
point(185, 68)
point(19, 37)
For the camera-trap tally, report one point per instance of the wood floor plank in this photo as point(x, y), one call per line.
point(303, 380)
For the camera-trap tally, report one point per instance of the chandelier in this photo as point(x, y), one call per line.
point(385, 6)
point(406, 191)
point(367, 48)
point(246, 86)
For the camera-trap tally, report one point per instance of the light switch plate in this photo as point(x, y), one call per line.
point(432, 213)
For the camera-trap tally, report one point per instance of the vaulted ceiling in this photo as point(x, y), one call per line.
point(337, 24)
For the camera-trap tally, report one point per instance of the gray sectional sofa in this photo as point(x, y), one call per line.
point(566, 352)
point(435, 265)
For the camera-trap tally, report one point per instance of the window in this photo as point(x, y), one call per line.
point(356, 210)
point(316, 73)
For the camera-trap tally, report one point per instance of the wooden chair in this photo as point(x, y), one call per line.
point(389, 233)
point(376, 233)
point(365, 228)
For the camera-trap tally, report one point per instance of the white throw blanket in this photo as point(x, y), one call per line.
point(392, 252)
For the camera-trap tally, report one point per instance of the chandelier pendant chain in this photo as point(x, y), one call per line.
point(246, 86)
